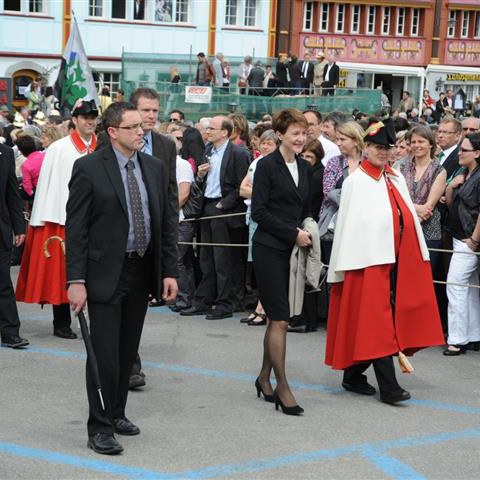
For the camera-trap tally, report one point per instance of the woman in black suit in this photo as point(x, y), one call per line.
point(281, 200)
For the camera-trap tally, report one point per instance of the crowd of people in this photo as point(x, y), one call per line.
point(300, 180)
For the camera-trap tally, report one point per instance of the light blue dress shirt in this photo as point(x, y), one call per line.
point(213, 188)
point(147, 146)
point(137, 171)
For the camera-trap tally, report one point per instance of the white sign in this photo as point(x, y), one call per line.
point(198, 94)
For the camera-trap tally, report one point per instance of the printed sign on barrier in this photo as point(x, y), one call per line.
point(198, 94)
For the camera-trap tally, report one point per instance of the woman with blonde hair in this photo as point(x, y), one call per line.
point(50, 134)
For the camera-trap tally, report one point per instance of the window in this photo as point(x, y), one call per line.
point(241, 13)
point(119, 9)
point(172, 10)
point(35, 6)
point(355, 19)
point(400, 21)
point(415, 22)
point(452, 19)
point(107, 79)
point(181, 15)
point(371, 14)
point(307, 16)
point(12, 5)
point(324, 15)
point(95, 8)
point(386, 20)
point(465, 24)
point(340, 20)
point(476, 33)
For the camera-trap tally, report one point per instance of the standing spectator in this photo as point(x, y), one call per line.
point(470, 125)
point(307, 72)
point(12, 230)
point(426, 181)
point(239, 135)
point(34, 96)
point(119, 96)
point(50, 101)
point(255, 79)
point(177, 117)
point(202, 127)
point(476, 107)
point(448, 137)
point(193, 147)
point(331, 77)
point(32, 164)
point(281, 201)
point(269, 82)
point(221, 175)
point(295, 75)
point(401, 151)
point(174, 75)
point(283, 74)
point(243, 72)
point(427, 101)
point(218, 68)
point(406, 103)
point(314, 132)
point(318, 72)
point(463, 200)
point(449, 103)
point(205, 73)
point(330, 124)
point(105, 98)
point(439, 107)
point(50, 134)
point(227, 73)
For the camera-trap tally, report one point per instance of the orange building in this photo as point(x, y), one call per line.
point(394, 44)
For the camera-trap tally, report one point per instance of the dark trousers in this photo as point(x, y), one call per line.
point(116, 328)
point(9, 321)
point(328, 88)
point(239, 256)
point(61, 316)
point(384, 371)
point(215, 288)
point(186, 278)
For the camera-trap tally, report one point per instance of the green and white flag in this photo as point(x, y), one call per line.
point(75, 79)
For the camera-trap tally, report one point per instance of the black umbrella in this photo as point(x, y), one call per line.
point(91, 357)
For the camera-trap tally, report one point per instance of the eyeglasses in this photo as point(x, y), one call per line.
point(444, 132)
point(180, 139)
point(132, 128)
point(174, 120)
point(211, 128)
point(465, 150)
point(469, 129)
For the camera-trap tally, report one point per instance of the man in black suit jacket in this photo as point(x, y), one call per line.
point(139, 10)
point(119, 250)
point(11, 222)
point(307, 70)
point(221, 175)
point(331, 77)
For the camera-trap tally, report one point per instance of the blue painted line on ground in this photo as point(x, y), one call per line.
point(390, 465)
point(99, 466)
point(374, 452)
point(243, 377)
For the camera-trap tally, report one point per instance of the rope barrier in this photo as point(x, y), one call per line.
point(225, 215)
point(442, 250)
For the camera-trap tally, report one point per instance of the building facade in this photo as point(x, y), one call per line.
point(393, 44)
point(34, 32)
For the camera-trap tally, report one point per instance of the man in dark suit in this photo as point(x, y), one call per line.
point(11, 223)
point(221, 175)
point(139, 10)
point(120, 249)
point(255, 79)
point(147, 102)
point(448, 137)
point(331, 77)
point(307, 71)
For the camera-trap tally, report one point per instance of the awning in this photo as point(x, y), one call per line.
point(399, 70)
point(452, 69)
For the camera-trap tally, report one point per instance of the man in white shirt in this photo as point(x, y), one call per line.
point(314, 132)
point(218, 67)
point(448, 137)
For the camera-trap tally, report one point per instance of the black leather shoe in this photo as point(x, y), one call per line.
point(177, 308)
point(136, 381)
point(363, 388)
point(65, 332)
point(297, 329)
point(395, 397)
point(14, 341)
point(455, 350)
point(192, 311)
point(218, 315)
point(104, 443)
point(124, 426)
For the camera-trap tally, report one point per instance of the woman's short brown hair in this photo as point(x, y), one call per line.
point(315, 146)
point(427, 134)
point(284, 118)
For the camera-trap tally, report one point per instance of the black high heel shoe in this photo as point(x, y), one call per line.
point(267, 398)
point(295, 410)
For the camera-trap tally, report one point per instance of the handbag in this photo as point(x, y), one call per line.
point(193, 208)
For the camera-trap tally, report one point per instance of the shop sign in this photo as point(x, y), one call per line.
point(462, 52)
point(463, 77)
point(197, 94)
point(369, 49)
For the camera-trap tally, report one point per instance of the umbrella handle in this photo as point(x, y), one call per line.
point(49, 240)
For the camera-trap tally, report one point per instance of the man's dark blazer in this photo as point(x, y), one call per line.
point(164, 149)
point(308, 79)
point(140, 15)
point(451, 163)
point(97, 223)
point(334, 75)
point(234, 167)
point(11, 211)
point(278, 205)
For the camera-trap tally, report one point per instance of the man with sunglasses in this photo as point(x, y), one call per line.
point(470, 125)
point(119, 249)
point(177, 116)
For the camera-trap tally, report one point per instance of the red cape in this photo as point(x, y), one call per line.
point(362, 325)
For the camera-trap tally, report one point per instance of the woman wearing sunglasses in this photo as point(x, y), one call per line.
point(463, 199)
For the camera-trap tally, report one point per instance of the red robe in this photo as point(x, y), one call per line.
point(362, 325)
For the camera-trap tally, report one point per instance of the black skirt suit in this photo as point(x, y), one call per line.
point(279, 207)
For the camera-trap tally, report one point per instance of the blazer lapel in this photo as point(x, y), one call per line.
point(148, 178)
point(113, 171)
point(288, 176)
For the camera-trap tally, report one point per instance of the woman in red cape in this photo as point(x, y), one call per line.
point(382, 299)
